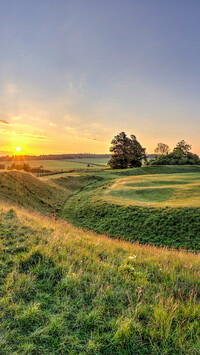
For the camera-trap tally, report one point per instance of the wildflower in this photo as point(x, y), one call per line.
point(132, 257)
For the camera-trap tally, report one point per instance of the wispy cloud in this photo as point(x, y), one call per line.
point(96, 139)
point(24, 135)
point(75, 132)
point(4, 122)
point(33, 136)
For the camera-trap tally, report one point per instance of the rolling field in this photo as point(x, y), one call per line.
point(163, 190)
point(166, 211)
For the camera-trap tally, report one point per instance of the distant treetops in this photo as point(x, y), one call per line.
point(180, 155)
point(126, 152)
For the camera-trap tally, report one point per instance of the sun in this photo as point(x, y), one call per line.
point(18, 149)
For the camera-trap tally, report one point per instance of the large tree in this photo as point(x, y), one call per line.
point(126, 152)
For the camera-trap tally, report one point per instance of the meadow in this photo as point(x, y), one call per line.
point(65, 164)
point(68, 291)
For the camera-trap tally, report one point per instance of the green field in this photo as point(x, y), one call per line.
point(68, 291)
point(177, 190)
point(66, 164)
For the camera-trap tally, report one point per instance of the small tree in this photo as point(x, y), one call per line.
point(126, 152)
point(162, 149)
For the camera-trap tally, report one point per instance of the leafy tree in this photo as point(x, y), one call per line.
point(182, 148)
point(162, 149)
point(126, 152)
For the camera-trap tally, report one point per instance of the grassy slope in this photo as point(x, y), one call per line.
point(26, 190)
point(174, 227)
point(64, 291)
point(77, 183)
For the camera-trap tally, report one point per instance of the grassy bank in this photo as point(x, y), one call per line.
point(64, 291)
point(26, 190)
point(173, 227)
point(116, 216)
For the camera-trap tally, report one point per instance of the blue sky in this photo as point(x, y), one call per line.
point(75, 73)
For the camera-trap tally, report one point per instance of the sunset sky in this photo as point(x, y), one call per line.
point(74, 73)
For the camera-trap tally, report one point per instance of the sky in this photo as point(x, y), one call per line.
point(74, 73)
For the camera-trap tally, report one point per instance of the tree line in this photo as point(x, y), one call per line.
point(180, 155)
point(127, 152)
point(53, 156)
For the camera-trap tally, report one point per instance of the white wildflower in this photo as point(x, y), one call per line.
point(132, 257)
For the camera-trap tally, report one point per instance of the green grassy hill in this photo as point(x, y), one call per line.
point(65, 291)
point(26, 190)
point(165, 215)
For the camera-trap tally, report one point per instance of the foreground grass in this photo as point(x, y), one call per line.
point(64, 291)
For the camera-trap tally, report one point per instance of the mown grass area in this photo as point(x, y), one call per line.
point(177, 190)
point(65, 291)
point(26, 190)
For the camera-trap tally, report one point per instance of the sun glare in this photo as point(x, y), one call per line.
point(18, 149)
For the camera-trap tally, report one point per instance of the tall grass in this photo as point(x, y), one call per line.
point(65, 291)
